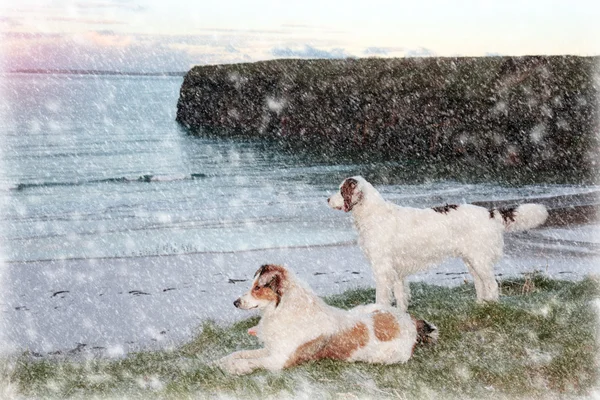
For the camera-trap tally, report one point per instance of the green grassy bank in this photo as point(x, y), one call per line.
point(539, 341)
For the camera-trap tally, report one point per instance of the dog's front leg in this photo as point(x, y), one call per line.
point(230, 363)
point(384, 280)
point(259, 353)
point(243, 366)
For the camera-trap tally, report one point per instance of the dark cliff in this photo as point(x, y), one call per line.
point(538, 112)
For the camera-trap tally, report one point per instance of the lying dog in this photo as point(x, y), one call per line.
point(400, 241)
point(297, 326)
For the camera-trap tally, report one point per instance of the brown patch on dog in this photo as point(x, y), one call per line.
point(347, 192)
point(386, 326)
point(307, 352)
point(412, 351)
point(508, 214)
point(445, 209)
point(424, 330)
point(265, 293)
point(270, 278)
point(341, 346)
point(337, 347)
point(270, 269)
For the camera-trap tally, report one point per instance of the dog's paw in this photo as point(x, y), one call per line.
point(235, 366)
point(226, 363)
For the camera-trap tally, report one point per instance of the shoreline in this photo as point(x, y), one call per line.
point(564, 210)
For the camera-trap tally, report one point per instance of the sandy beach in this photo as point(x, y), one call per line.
point(113, 306)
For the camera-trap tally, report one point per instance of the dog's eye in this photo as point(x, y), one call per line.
point(256, 287)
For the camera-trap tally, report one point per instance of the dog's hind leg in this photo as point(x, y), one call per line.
point(482, 271)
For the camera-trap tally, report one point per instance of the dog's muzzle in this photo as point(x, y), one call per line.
point(334, 202)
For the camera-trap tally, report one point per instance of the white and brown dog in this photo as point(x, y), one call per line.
point(400, 241)
point(297, 326)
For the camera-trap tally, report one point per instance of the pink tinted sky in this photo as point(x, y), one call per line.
point(173, 35)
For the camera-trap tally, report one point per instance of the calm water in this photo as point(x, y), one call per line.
point(97, 167)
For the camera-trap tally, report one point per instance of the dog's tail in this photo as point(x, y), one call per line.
point(521, 218)
point(427, 333)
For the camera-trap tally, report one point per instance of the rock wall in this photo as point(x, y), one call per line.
point(540, 112)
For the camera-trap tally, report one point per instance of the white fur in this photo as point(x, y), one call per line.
point(400, 241)
point(301, 316)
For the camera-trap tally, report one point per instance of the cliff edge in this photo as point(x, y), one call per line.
point(540, 112)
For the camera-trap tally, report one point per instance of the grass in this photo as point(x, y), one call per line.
point(539, 341)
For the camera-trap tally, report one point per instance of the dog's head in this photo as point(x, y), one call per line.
point(349, 195)
point(268, 287)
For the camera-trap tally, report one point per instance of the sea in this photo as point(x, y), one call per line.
point(122, 231)
point(96, 167)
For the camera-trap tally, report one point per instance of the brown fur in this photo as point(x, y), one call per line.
point(271, 269)
point(422, 332)
point(508, 214)
point(272, 278)
point(307, 352)
point(265, 293)
point(337, 347)
point(386, 326)
point(347, 191)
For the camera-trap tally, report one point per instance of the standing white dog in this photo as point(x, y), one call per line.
point(400, 241)
point(297, 326)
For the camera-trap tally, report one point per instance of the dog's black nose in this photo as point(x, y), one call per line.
point(237, 303)
point(328, 200)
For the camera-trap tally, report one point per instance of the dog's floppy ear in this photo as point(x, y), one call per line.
point(272, 277)
point(348, 193)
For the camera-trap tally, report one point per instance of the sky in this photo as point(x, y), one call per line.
point(174, 35)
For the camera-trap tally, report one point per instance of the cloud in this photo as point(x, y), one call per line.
point(419, 52)
point(106, 39)
point(107, 50)
point(92, 21)
point(308, 52)
point(8, 21)
point(30, 35)
point(107, 4)
point(301, 26)
point(243, 31)
point(398, 52)
point(230, 49)
point(374, 50)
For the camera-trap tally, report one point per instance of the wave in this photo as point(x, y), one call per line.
point(148, 178)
